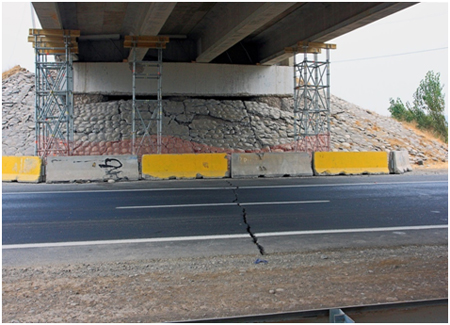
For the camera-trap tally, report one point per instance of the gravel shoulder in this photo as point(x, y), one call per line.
point(171, 289)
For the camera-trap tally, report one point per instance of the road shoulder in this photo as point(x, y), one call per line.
point(171, 289)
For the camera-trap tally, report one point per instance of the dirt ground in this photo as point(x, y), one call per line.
point(195, 288)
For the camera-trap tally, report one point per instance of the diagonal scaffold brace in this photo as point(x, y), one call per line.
point(311, 97)
point(146, 115)
point(54, 90)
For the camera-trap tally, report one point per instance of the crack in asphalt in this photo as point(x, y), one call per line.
point(244, 217)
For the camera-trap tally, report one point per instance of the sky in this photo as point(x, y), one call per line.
point(383, 60)
point(367, 68)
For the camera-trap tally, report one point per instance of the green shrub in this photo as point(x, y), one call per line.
point(428, 107)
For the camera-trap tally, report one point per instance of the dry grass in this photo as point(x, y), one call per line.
point(427, 135)
point(396, 142)
point(376, 128)
point(12, 71)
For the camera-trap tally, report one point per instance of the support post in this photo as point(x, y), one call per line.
point(311, 98)
point(53, 91)
point(146, 126)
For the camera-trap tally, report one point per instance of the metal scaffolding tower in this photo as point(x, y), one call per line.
point(54, 90)
point(312, 98)
point(143, 119)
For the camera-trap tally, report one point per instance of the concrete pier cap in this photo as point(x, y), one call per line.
point(186, 79)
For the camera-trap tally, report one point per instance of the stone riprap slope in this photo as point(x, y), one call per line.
point(18, 114)
point(192, 125)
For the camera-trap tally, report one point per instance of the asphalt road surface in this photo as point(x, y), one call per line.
point(208, 209)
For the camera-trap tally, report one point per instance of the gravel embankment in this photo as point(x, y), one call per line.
point(194, 288)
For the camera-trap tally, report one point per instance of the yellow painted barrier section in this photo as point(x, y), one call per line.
point(336, 163)
point(203, 165)
point(21, 169)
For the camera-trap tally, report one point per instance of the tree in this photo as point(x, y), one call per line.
point(399, 111)
point(427, 109)
point(429, 98)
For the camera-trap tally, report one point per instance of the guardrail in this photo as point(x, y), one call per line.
point(421, 311)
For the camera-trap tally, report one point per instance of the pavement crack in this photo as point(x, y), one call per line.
point(244, 218)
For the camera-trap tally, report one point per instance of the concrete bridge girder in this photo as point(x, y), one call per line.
point(233, 23)
point(154, 20)
point(236, 33)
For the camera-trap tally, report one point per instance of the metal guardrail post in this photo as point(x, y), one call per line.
point(338, 316)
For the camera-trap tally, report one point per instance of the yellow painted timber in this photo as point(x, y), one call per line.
point(317, 45)
point(336, 163)
point(150, 45)
point(54, 44)
point(73, 50)
point(300, 50)
point(21, 169)
point(54, 32)
point(43, 38)
point(146, 41)
point(207, 165)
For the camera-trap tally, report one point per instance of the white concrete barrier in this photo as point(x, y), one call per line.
point(92, 168)
point(272, 164)
point(399, 162)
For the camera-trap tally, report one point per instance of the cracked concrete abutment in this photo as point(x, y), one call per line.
point(244, 218)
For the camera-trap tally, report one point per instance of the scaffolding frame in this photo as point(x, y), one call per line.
point(54, 91)
point(146, 70)
point(312, 98)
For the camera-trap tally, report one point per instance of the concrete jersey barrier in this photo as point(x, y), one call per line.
point(92, 168)
point(170, 166)
point(399, 162)
point(21, 169)
point(273, 164)
point(338, 163)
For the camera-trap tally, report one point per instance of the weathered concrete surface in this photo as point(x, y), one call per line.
point(186, 79)
point(349, 163)
point(102, 126)
point(226, 32)
point(21, 169)
point(399, 162)
point(164, 166)
point(274, 164)
point(92, 168)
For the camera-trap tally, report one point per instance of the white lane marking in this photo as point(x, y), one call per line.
point(215, 237)
point(195, 205)
point(340, 231)
point(221, 188)
point(128, 190)
point(285, 202)
point(332, 185)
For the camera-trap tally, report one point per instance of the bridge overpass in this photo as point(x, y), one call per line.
point(212, 32)
point(215, 50)
point(240, 42)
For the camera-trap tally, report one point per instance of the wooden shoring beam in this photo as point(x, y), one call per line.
point(52, 51)
point(153, 42)
point(54, 44)
point(54, 32)
point(315, 45)
point(293, 50)
point(54, 41)
point(73, 50)
point(309, 47)
point(58, 39)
